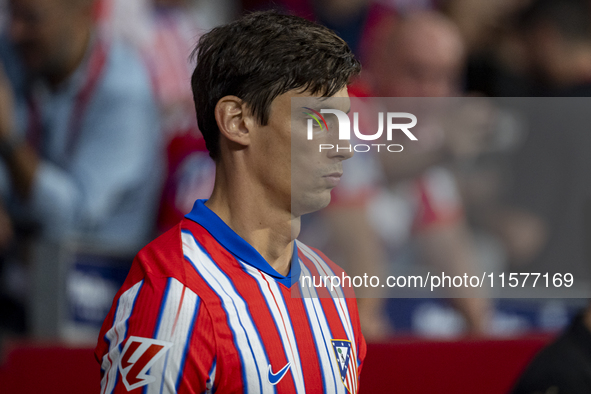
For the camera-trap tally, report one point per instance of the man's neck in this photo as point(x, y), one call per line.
point(253, 215)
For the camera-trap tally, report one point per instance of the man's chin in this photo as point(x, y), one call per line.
point(311, 204)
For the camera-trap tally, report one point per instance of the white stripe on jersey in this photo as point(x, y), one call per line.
point(338, 298)
point(276, 304)
point(175, 324)
point(211, 380)
point(116, 335)
point(331, 375)
point(254, 358)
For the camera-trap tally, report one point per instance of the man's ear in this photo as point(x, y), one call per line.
point(234, 120)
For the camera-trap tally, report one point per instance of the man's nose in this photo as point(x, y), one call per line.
point(342, 150)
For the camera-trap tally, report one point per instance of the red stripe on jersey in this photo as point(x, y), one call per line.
point(199, 363)
point(332, 316)
point(305, 341)
point(283, 322)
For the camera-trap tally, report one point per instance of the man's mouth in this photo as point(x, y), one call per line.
point(333, 178)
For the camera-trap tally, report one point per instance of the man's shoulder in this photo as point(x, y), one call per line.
point(161, 256)
point(316, 266)
point(165, 255)
point(161, 264)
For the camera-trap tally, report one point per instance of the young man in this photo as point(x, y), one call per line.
point(208, 306)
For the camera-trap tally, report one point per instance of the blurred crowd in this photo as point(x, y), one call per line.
point(100, 150)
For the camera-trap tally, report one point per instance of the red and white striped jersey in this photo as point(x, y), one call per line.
point(202, 311)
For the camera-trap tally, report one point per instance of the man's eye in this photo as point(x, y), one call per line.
point(315, 125)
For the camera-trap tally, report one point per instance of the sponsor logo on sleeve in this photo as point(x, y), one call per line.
point(139, 354)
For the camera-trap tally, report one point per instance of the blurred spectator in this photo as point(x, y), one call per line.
point(79, 131)
point(495, 60)
point(421, 55)
point(565, 365)
point(481, 21)
point(557, 37)
point(86, 146)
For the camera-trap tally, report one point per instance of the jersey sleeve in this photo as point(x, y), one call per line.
point(157, 338)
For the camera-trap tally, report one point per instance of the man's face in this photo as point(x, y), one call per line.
point(42, 31)
point(291, 165)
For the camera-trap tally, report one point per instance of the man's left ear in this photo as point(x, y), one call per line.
point(234, 120)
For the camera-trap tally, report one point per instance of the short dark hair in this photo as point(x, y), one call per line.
point(262, 56)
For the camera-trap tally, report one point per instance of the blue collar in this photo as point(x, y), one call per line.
point(238, 246)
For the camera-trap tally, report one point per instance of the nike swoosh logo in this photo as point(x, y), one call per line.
point(274, 378)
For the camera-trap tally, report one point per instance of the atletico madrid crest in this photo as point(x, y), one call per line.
point(347, 363)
